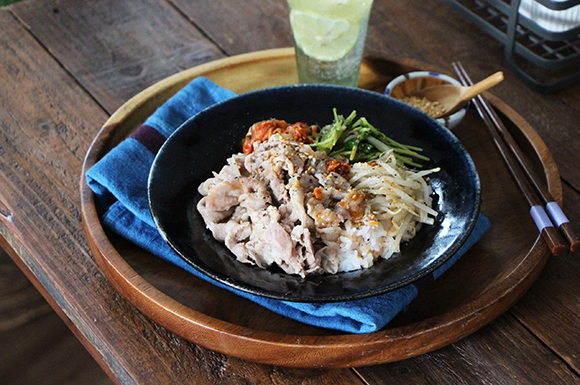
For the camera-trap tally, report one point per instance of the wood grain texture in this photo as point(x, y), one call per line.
point(240, 27)
point(508, 356)
point(20, 302)
point(431, 32)
point(494, 284)
point(553, 300)
point(114, 49)
point(61, 60)
point(44, 351)
point(37, 347)
point(43, 139)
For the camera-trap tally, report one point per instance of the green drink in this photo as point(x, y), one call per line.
point(329, 37)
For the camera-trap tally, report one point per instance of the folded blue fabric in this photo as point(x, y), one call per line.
point(119, 181)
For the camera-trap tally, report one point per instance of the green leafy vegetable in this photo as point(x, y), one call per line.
point(360, 141)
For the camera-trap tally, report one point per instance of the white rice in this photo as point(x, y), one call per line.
point(396, 202)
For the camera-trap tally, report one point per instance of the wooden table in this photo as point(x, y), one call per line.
point(66, 66)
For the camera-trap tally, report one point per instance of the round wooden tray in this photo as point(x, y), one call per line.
point(482, 285)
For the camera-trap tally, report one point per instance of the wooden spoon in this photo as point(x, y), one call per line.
point(452, 97)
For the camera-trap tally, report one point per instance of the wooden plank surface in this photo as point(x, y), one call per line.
point(502, 353)
point(114, 49)
point(124, 338)
point(240, 27)
point(431, 32)
point(83, 61)
point(37, 346)
point(19, 300)
point(550, 309)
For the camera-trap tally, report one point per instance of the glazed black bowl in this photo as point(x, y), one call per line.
point(203, 143)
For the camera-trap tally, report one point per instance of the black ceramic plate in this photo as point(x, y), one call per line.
point(204, 142)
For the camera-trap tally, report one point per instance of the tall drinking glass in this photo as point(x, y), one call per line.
point(329, 37)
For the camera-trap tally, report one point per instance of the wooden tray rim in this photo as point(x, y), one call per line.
point(335, 351)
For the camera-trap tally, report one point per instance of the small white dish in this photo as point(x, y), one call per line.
point(407, 84)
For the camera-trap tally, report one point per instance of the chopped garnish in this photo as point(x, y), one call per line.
point(337, 167)
point(262, 131)
point(360, 141)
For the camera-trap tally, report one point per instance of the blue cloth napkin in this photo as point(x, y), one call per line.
point(119, 181)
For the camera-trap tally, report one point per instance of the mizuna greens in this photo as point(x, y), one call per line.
point(360, 141)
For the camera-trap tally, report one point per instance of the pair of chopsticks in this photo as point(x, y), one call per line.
point(534, 190)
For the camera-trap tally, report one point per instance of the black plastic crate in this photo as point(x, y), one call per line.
point(543, 59)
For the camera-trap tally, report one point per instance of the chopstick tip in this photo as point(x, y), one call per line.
point(559, 250)
point(555, 244)
point(568, 231)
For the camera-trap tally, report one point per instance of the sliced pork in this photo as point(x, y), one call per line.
point(277, 205)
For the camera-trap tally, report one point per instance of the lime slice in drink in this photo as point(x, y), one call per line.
point(323, 38)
